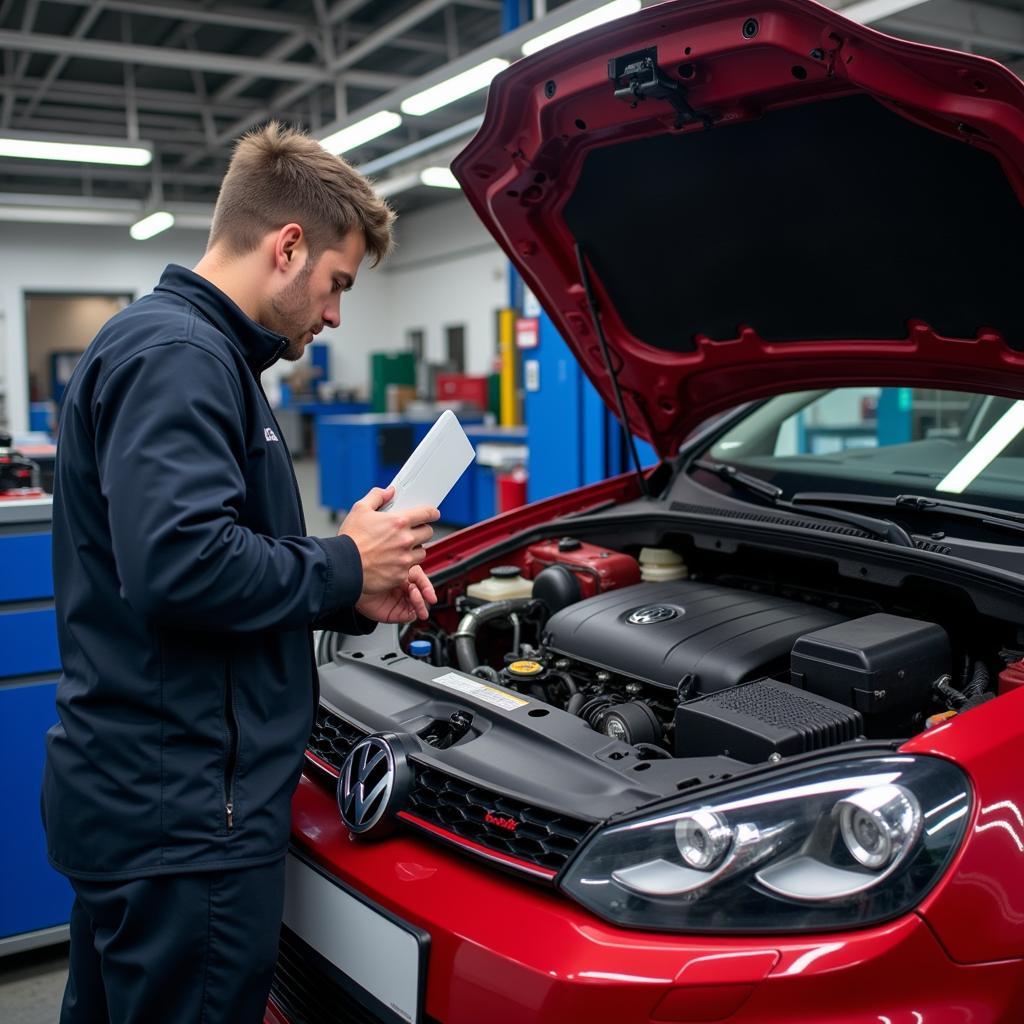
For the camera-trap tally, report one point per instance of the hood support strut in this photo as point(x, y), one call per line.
point(595, 316)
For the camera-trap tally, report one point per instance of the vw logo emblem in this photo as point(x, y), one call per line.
point(652, 613)
point(374, 782)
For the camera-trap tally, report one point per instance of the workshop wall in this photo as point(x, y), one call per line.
point(65, 258)
point(447, 270)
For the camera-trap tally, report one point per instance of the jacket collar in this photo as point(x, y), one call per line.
point(259, 347)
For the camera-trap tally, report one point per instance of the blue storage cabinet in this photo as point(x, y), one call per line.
point(357, 453)
point(35, 901)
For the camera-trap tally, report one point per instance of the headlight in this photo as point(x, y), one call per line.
point(845, 844)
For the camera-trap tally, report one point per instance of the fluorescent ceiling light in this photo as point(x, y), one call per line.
point(454, 88)
point(438, 177)
point(986, 451)
point(77, 152)
point(867, 11)
point(361, 132)
point(600, 16)
point(151, 225)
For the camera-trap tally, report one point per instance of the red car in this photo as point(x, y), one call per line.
point(738, 738)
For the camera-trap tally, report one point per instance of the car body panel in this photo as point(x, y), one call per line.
point(521, 169)
point(978, 910)
point(507, 951)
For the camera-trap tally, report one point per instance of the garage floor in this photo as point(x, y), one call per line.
point(32, 984)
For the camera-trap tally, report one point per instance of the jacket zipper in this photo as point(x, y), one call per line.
point(230, 764)
point(302, 520)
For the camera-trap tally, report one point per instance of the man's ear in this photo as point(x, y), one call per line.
point(288, 243)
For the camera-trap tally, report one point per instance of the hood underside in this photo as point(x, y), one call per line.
point(767, 197)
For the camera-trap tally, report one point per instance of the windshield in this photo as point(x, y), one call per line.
point(884, 441)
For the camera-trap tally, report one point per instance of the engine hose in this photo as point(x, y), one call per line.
point(565, 679)
point(953, 697)
point(979, 683)
point(465, 635)
point(576, 701)
point(591, 710)
point(486, 672)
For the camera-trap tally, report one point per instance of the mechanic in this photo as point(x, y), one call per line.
point(186, 593)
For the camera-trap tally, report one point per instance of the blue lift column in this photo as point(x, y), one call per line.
point(574, 438)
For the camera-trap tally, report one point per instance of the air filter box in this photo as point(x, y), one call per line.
point(881, 665)
point(752, 721)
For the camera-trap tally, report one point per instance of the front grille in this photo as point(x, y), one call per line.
point(332, 738)
point(308, 988)
point(541, 837)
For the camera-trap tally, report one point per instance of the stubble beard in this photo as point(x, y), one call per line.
point(288, 307)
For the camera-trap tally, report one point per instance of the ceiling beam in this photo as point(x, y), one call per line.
point(390, 30)
point(21, 169)
point(237, 17)
point(156, 56)
point(279, 51)
point(90, 94)
point(82, 26)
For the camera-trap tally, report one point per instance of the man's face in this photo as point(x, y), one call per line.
point(312, 298)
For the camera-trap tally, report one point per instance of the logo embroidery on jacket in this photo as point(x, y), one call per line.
point(269, 434)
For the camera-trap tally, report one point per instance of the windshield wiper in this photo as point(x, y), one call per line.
point(885, 529)
point(998, 518)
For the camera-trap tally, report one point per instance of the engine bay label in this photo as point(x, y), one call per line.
point(475, 688)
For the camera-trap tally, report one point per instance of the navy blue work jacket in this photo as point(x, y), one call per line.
point(186, 590)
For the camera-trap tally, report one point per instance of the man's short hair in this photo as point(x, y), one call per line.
point(278, 176)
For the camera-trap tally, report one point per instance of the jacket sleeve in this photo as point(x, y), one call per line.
point(348, 621)
point(170, 443)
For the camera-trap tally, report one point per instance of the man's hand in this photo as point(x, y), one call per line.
point(390, 544)
point(400, 604)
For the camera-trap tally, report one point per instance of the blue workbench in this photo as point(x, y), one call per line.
point(35, 901)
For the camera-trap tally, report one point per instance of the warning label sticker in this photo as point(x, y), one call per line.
point(475, 688)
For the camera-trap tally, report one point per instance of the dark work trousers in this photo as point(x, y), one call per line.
point(174, 949)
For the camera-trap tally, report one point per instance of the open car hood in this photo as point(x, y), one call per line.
point(768, 197)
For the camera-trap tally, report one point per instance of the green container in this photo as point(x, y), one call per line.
point(389, 368)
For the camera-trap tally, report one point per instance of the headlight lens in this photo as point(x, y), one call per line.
point(845, 844)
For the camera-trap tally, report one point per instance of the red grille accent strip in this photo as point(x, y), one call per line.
point(477, 848)
point(323, 765)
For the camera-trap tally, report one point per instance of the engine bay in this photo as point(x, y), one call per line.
point(677, 663)
point(675, 657)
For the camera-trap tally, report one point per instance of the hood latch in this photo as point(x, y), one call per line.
point(636, 77)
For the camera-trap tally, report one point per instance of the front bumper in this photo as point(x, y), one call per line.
point(511, 952)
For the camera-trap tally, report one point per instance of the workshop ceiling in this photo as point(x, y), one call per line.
point(189, 76)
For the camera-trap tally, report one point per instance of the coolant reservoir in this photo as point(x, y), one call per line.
point(505, 583)
point(659, 565)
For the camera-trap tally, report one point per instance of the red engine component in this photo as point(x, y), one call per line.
point(1012, 677)
point(597, 569)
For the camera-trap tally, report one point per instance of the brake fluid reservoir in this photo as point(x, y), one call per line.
point(505, 583)
point(659, 565)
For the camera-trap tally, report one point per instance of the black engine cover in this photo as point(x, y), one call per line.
point(661, 632)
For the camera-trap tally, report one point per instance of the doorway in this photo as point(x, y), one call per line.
point(58, 329)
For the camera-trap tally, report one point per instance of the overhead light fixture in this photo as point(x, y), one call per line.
point(600, 16)
point(361, 132)
point(867, 11)
point(985, 452)
point(438, 177)
point(454, 88)
point(151, 225)
point(27, 148)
